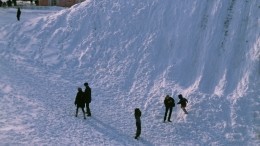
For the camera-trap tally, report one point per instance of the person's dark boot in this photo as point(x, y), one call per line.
point(184, 110)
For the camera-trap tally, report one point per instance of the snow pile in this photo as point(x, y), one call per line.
point(133, 53)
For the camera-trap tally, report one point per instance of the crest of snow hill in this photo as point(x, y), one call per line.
point(139, 51)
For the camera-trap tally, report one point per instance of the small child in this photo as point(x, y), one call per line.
point(183, 101)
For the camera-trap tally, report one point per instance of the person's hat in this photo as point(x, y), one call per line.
point(79, 89)
point(86, 84)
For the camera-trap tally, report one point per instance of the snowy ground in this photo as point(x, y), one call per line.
point(132, 54)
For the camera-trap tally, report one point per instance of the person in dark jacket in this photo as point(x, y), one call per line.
point(169, 104)
point(18, 14)
point(138, 114)
point(80, 102)
point(88, 98)
point(183, 101)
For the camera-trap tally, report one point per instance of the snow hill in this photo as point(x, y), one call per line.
point(132, 53)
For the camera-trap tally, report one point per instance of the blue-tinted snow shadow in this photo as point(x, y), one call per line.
point(116, 134)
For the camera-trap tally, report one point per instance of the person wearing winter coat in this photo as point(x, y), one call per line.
point(183, 102)
point(88, 98)
point(18, 14)
point(80, 102)
point(169, 103)
point(138, 114)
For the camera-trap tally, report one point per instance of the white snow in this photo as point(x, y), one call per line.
point(132, 53)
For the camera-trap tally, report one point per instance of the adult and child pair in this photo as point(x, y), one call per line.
point(169, 103)
point(83, 99)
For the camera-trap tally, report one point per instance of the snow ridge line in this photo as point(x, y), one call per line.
point(227, 21)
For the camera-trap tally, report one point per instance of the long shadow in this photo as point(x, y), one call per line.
point(115, 134)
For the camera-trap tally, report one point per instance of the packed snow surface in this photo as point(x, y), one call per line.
point(132, 53)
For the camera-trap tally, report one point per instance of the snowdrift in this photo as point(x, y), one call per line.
point(133, 53)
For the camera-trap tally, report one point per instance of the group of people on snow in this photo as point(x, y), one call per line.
point(83, 99)
point(169, 103)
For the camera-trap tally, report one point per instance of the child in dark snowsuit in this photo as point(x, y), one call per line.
point(138, 114)
point(80, 102)
point(183, 101)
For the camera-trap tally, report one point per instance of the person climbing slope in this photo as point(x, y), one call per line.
point(183, 101)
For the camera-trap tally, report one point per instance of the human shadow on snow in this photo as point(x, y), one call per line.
point(114, 133)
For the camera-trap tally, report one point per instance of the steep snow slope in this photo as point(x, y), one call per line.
point(134, 53)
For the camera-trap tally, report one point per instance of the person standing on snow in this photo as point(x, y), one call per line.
point(88, 98)
point(138, 114)
point(183, 101)
point(169, 104)
point(80, 102)
point(18, 14)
